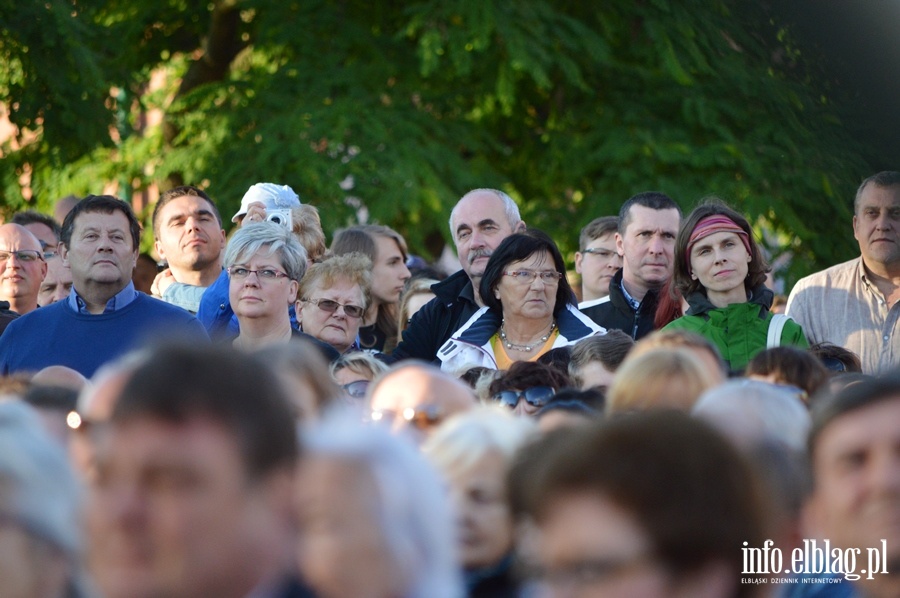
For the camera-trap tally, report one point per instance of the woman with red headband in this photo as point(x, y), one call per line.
point(721, 273)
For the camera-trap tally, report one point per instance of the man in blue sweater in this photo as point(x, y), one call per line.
point(103, 316)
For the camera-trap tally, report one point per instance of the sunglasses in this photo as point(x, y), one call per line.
point(329, 306)
point(833, 364)
point(356, 390)
point(536, 395)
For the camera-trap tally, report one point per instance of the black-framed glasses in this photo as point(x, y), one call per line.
point(265, 274)
point(26, 256)
point(528, 276)
point(537, 396)
point(357, 389)
point(329, 306)
point(599, 251)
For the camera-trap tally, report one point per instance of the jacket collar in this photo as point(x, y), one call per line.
point(699, 303)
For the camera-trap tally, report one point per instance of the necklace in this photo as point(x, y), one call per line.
point(525, 348)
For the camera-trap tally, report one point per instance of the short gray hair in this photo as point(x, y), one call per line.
point(414, 513)
point(37, 486)
point(251, 238)
point(752, 412)
point(509, 205)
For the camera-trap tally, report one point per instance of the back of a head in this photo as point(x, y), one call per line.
point(410, 505)
point(179, 383)
point(753, 413)
point(789, 365)
point(669, 378)
point(465, 438)
point(694, 497)
point(38, 489)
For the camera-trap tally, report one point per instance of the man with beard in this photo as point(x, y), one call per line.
point(481, 219)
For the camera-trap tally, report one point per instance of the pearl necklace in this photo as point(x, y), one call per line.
point(525, 348)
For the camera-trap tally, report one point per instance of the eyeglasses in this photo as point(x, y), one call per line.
point(598, 251)
point(267, 274)
point(536, 395)
point(26, 256)
point(357, 389)
point(528, 276)
point(329, 306)
point(422, 417)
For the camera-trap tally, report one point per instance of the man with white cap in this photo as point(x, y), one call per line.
point(259, 202)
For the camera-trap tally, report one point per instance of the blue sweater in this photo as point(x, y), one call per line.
point(57, 335)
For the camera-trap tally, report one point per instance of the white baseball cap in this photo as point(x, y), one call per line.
point(271, 195)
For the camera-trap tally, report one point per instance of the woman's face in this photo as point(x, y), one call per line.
point(720, 263)
point(335, 328)
point(389, 271)
point(528, 296)
point(257, 295)
point(484, 523)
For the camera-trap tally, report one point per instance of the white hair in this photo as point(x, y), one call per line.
point(466, 438)
point(752, 412)
point(509, 206)
point(415, 515)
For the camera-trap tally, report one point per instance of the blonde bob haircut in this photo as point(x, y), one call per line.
point(664, 378)
point(354, 267)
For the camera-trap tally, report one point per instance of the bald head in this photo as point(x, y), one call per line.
point(415, 397)
point(22, 268)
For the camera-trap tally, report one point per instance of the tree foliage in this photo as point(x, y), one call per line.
point(397, 108)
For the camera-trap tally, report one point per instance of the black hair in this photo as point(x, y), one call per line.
point(518, 247)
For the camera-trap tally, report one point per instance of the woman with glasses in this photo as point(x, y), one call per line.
point(527, 386)
point(721, 272)
point(529, 308)
point(354, 371)
point(265, 263)
point(334, 296)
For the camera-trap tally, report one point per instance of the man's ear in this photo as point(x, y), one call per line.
point(159, 250)
point(620, 245)
point(520, 227)
point(63, 253)
point(578, 258)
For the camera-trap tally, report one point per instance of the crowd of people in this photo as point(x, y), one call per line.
point(268, 415)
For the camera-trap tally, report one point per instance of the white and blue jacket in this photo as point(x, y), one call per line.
point(470, 346)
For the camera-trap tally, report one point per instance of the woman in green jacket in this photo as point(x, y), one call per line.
point(721, 273)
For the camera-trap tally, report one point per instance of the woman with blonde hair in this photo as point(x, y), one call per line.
point(665, 378)
point(333, 299)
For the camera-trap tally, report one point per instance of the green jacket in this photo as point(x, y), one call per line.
point(739, 330)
